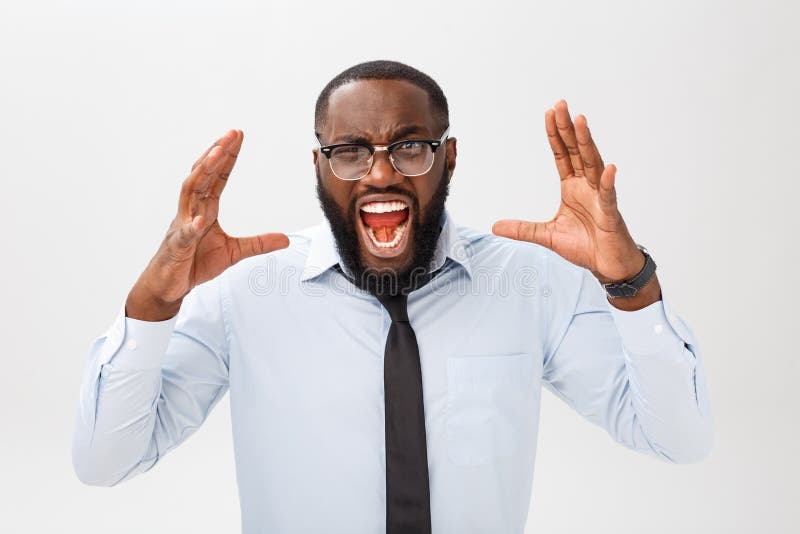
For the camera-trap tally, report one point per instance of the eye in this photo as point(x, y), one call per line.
point(349, 153)
point(410, 148)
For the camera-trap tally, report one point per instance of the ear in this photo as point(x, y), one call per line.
point(452, 153)
point(316, 156)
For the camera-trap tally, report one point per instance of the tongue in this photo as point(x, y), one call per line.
point(384, 224)
point(384, 234)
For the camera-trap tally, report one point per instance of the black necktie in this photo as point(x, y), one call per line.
point(408, 508)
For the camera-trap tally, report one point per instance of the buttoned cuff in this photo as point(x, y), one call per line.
point(142, 345)
point(650, 329)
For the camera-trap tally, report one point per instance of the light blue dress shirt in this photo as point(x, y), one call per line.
point(301, 351)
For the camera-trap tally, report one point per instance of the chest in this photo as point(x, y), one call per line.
point(331, 345)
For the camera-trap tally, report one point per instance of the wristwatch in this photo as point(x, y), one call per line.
point(629, 288)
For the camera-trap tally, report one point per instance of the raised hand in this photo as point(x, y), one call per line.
point(196, 249)
point(587, 229)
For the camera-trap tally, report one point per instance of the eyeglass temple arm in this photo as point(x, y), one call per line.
point(443, 138)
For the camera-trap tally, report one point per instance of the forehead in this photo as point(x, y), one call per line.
point(375, 110)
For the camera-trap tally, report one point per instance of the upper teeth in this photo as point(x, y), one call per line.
point(383, 207)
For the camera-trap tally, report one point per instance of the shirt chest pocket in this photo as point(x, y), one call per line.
point(489, 398)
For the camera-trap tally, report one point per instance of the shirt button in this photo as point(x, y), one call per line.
point(131, 344)
point(658, 328)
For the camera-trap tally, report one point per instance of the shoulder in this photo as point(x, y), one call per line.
point(530, 269)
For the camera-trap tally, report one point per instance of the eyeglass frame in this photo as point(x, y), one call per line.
point(433, 143)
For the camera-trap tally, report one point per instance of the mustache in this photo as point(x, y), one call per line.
point(369, 190)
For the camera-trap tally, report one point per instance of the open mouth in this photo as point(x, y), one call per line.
point(385, 226)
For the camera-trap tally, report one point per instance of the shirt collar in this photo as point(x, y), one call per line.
point(323, 255)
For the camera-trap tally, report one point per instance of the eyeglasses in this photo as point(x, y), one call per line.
point(409, 157)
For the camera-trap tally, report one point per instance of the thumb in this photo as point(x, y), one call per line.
point(244, 247)
point(533, 232)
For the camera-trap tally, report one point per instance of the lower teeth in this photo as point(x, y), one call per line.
point(398, 235)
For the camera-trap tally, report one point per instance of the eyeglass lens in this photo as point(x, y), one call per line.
point(353, 161)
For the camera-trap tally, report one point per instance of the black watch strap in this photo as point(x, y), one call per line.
point(630, 287)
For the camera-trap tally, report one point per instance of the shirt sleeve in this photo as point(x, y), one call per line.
point(637, 374)
point(147, 386)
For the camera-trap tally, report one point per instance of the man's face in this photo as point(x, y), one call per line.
point(385, 221)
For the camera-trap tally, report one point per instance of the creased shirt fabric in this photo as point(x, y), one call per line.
point(300, 349)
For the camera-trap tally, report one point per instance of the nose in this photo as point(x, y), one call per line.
point(382, 174)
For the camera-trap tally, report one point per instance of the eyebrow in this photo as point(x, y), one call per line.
point(398, 134)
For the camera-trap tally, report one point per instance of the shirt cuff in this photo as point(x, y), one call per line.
point(648, 330)
point(144, 344)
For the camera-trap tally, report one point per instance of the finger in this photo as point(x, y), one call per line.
point(608, 193)
point(192, 189)
point(244, 247)
point(197, 188)
point(590, 156)
point(220, 179)
point(230, 149)
point(567, 132)
point(221, 141)
point(201, 158)
point(533, 232)
point(557, 145)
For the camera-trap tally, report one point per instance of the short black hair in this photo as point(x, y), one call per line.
point(384, 70)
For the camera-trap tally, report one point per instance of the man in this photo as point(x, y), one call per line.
point(385, 367)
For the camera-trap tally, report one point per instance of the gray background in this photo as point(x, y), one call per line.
point(103, 109)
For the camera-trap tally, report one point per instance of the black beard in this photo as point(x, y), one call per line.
point(425, 229)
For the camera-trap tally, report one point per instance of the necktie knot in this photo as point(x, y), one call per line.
point(396, 305)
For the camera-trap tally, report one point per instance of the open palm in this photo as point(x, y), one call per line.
point(587, 229)
point(196, 248)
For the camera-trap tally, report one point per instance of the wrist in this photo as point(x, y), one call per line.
point(636, 291)
point(145, 306)
point(649, 294)
point(628, 266)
